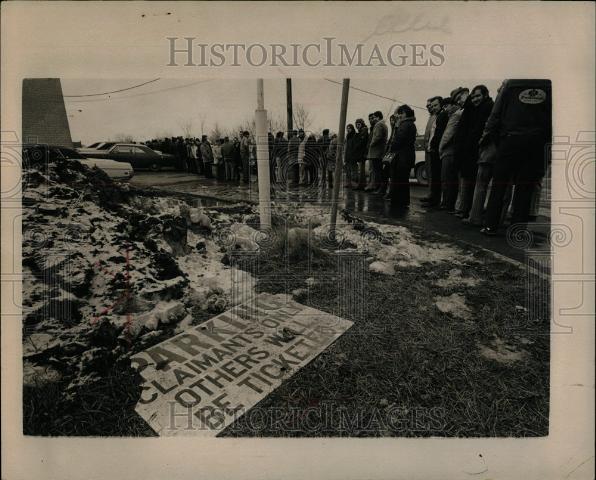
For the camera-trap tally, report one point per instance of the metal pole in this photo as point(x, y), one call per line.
point(341, 134)
point(262, 158)
point(289, 105)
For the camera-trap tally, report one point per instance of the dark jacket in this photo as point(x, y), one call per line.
point(404, 143)
point(293, 145)
point(522, 107)
point(227, 150)
point(351, 156)
point(310, 151)
point(440, 124)
point(280, 147)
point(361, 144)
point(323, 144)
point(469, 131)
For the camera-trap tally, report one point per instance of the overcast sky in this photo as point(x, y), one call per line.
point(162, 107)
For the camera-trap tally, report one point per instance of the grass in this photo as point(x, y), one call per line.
point(405, 368)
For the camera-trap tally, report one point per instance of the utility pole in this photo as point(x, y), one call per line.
point(262, 158)
point(341, 134)
point(289, 102)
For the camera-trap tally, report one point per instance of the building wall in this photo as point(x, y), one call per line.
point(44, 113)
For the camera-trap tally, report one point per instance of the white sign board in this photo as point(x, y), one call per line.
point(200, 381)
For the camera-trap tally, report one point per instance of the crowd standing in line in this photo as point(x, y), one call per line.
point(472, 145)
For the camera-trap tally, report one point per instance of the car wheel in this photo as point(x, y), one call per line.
point(155, 167)
point(421, 174)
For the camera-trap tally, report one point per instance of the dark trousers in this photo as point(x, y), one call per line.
point(520, 162)
point(207, 169)
point(434, 175)
point(468, 186)
point(377, 173)
point(449, 181)
point(400, 184)
point(385, 176)
point(245, 167)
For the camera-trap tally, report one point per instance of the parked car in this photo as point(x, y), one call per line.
point(419, 171)
point(94, 147)
point(139, 156)
point(116, 170)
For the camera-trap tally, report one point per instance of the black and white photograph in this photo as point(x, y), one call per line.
point(345, 234)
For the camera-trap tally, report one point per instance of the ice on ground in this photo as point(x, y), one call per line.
point(454, 305)
point(502, 352)
point(455, 279)
point(382, 267)
point(38, 375)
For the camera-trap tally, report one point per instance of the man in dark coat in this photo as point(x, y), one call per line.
point(292, 170)
point(376, 150)
point(323, 144)
point(521, 126)
point(404, 148)
point(436, 134)
point(360, 150)
point(280, 154)
point(471, 125)
point(350, 157)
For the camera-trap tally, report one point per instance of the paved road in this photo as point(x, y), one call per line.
point(362, 204)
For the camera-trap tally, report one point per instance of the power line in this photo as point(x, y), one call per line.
point(395, 100)
point(115, 91)
point(167, 89)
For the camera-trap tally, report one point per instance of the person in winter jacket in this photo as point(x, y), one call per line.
point(386, 167)
point(469, 131)
point(449, 175)
point(520, 125)
point(376, 150)
point(360, 150)
point(436, 133)
point(331, 153)
point(404, 148)
point(245, 155)
point(207, 155)
point(280, 154)
point(227, 151)
point(350, 156)
point(323, 144)
point(292, 170)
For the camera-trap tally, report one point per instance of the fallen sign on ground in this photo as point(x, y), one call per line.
point(200, 381)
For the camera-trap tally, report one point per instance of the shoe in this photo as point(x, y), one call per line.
point(488, 231)
point(460, 215)
point(368, 189)
point(431, 205)
point(425, 199)
point(451, 211)
point(467, 221)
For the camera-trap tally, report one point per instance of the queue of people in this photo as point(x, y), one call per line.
point(472, 145)
point(472, 142)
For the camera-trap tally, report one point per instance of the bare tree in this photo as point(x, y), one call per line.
point(186, 127)
point(123, 138)
point(277, 123)
point(302, 117)
point(202, 118)
point(216, 133)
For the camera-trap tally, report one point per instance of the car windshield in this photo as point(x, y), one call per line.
point(107, 145)
point(93, 145)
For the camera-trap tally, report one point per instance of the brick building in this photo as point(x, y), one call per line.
point(44, 113)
